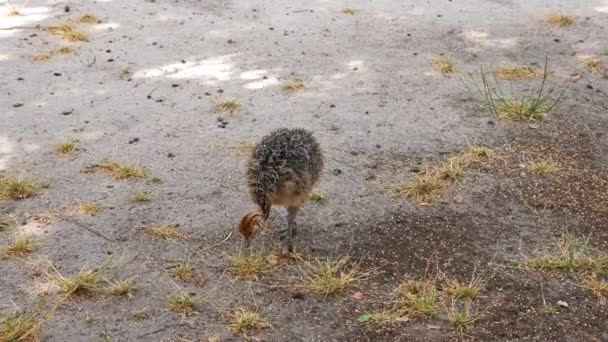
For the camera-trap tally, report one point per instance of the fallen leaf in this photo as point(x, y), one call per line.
point(575, 77)
point(433, 327)
point(273, 259)
point(363, 318)
point(534, 126)
point(357, 295)
point(458, 199)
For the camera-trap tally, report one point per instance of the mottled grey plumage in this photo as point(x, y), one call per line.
point(282, 170)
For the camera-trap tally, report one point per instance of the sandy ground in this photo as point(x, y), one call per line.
point(377, 108)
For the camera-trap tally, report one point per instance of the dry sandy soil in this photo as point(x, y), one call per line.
point(142, 89)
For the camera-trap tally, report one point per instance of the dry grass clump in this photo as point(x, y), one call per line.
point(141, 196)
point(292, 85)
point(182, 302)
point(245, 321)
point(419, 298)
point(121, 171)
point(468, 291)
point(317, 196)
point(67, 146)
point(350, 11)
point(561, 20)
point(182, 271)
point(462, 317)
point(596, 284)
point(89, 208)
point(443, 65)
point(6, 221)
point(331, 276)
point(69, 32)
point(435, 180)
point(21, 247)
point(593, 64)
point(84, 281)
point(569, 254)
point(41, 57)
point(227, 106)
point(125, 73)
point(64, 50)
point(23, 326)
point(248, 266)
point(121, 287)
point(515, 72)
point(383, 317)
point(542, 166)
point(165, 232)
point(87, 19)
point(17, 188)
point(14, 12)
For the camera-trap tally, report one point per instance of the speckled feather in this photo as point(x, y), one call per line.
point(286, 163)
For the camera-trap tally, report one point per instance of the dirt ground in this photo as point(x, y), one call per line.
point(143, 87)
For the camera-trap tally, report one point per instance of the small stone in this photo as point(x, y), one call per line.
point(336, 172)
point(17, 105)
point(534, 126)
point(562, 303)
point(297, 295)
point(458, 199)
point(357, 295)
point(175, 85)
point(170, 155)
point(67, 112)
point(57, 73)
point(134, 140)
point(332, 106)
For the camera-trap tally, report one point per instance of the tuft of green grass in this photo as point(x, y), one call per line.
point(84, 281)
point(121, 171)
point(561, 20)
point(419, 298)
point(350, 11)
point(141, 196)
point(515, 72)
point(593, 64)
point(569, 254)
point(121, 287)
point(87, 19)
point(69, 32)
point(248, 266)
point(596, 284)
point(245, 321)
point(331, 276)
point(425, 188)
point(165, 232)
point(317, 196)
point(382, 318)
point(43, 56)
point(533, 105)
point(477, 153)
point(67, 146)
point(443, 65)
point(6, 221)
point(182, 271)
point(292, 85)
point(469, 290)
point(452, 170)
point(22, 326)
point(182, 302)
point(227, 106)
point(542, 167)
point(21, 247)
point(17, 188)
point(89, 208)
point(462, 318)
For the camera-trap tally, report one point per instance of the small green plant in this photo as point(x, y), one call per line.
point(21, 247)
point(331, 276)
point(165, 232)
point(596, 284)
point(469, 290)
point(452, 170)
point(425, 188)
point(382, 318)
point(443, 66)
point(22, 326)
point(570, 254)
point(65, 50)
point(67, 146)
point(561, 20)
point(121, 171)
point(182, 302)
point(292, 85)
point(125, 73)
point(317, 196)
point(17, 188)
point(227, 106)
point(419, 298)
point(593, 64)
point(141, 196)
point(350, 11)
point(246, 321)
point(462, 318)
point(248, 266)
point(532, 106)
point(182, 271)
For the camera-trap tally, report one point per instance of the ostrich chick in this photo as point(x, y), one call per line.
point(282, 170)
